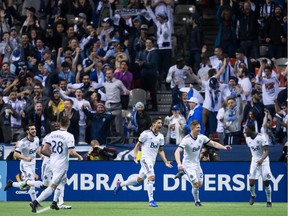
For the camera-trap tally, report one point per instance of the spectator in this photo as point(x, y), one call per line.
point(140, 120)
point(270, 88)
point(39, 119)
point(175, 125)
point(74, 117)
point(177, 75)
point(101, 122)
point(195, 113)
point(113, 88)
point(232, 120)
point(55, 107)
point(6, 111)
point(248, 32)
point(164, 33)
point(274, 34)
point(148, 63)
point(226, 37)
point(15, 120)
point(127, 79)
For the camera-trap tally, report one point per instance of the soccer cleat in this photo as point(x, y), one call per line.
point(153, 204)
point(34, 205)
point(179, 175)
point(269, 204)
point(43, 187)
point(252, 200)
point(198, 204)
point(64, 206)
point(118, 188)
point(54, 206)
point(8, 185)
point(24, 185)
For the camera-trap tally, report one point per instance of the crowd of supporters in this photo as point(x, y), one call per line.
point(81, 59)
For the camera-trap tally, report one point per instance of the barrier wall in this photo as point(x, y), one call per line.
point(95, 181)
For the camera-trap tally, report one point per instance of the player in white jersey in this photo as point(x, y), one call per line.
point(25, 151)
point(58, 146)
point(191, 145)
point(151, 143)
point(260, 164)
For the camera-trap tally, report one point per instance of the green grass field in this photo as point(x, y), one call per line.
point(141, 209)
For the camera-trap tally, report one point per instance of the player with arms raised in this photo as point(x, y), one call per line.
point(191, 145)
point(58, 146)
point(151, 143)
point(259, 166)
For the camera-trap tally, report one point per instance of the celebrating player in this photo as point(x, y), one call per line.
point(62, 144)
point(151, 143)
point(25, 151)
point(259, 166)
point(191, 145)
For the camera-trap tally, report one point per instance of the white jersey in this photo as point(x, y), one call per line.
point(46, 159)
point(192, 148)
point(150, 144)
point(256, 147)
point(60, 142)
point(270, 90)
point(28, 148)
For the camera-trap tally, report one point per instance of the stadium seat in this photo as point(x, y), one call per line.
point(185, 9)
point(137, 95)
point(282, 62)
point(263, 50)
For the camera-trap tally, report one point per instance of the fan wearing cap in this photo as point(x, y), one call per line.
point(104, 36)
point(195, 113)
point(31, 20)
point(164, 41)
point(175, 124)
point(101, 121)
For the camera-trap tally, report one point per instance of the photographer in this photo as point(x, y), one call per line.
point(97, 152)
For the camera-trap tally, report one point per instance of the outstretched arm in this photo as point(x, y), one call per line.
point(162, 155)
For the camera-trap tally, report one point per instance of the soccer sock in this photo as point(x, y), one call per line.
point(32, 193)
point(130, 181)
point(150, 189)
point(16, 184)
point(58, 192)
point(195, 193)
point(61, 197)
point(268, 193)
point(252, 190)
point(45, 194)
point(34, 183)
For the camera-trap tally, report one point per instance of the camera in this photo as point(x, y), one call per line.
point(99, 153)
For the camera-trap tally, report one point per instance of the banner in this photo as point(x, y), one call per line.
point(3, 179)
point(96, 180)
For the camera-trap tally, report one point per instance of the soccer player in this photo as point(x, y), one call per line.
point(191, 145)
point(259, 166)
point(25, 151)
point(58, 146)
point(151, 143)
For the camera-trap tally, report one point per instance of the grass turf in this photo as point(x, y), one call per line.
point(141, 208)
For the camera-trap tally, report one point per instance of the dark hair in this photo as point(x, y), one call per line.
point(71, 101)
point(29, 125)
point(251, 127)
point(64, 121)
point(212, 72)
point(155, 119)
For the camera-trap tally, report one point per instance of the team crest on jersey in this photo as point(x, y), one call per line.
point(258, 142)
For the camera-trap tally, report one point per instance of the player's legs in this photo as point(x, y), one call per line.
point(28, 172)
point(195, 177)
point(253, 175)
point(266, 176)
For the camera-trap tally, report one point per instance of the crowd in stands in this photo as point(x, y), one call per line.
point(81, 59)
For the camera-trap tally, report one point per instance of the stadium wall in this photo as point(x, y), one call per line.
point(95, 181)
